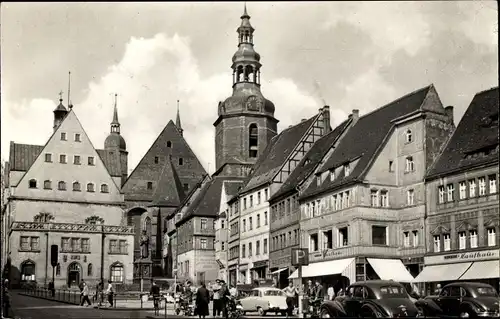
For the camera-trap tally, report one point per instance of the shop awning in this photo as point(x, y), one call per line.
point(388, 269)
point(482, 270)
point(278, 271)
point(448, 272)
point(323, 268)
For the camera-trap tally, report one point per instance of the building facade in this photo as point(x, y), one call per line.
point(233, 244)
point(67, 193)
point(363, 209)
point(462, 201)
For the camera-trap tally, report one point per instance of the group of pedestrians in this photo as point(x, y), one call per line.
point(99, 294)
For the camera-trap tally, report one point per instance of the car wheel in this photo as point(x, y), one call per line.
point(325, 314)
point(465, 314)
point(261, 311)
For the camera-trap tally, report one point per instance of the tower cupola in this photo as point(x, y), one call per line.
point(114, 139)
point(60, 112)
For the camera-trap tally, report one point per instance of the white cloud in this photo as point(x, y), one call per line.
point(152, 74)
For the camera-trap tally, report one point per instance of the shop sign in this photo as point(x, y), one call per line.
point(463, 257)
point(327, 253)
point(260, 263)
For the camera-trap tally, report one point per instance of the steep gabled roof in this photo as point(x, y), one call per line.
point(110, 162)
point(365, 138)
point(276, 153)
point(207, 203)
point(474, 141)
point(311, 160)
point(169, 190)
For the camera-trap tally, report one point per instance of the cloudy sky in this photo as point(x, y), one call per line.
point(346, 54)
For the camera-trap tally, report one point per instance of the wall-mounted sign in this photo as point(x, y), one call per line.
point(462, 257)
point(300, 257)
point(326, 254)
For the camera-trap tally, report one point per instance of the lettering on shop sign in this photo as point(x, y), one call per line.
point(75, 257)
point(474, 255)
point(327, 253)
point(462, 257)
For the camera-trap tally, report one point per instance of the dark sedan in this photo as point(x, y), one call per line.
point(462, 300)
point(369, 299)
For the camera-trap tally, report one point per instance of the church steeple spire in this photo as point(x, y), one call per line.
point(178, 120)
point(115, 125)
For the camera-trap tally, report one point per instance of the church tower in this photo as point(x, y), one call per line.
point(116, 147)
point(245, 122)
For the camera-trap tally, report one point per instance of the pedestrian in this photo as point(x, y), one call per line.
point(5, 299)
point(290, 293)
point(216, 304)
point(52, 289)
point(85, 295)
point(330, 292)
point(202, 300)
point(155, 292)
point(100, 293)
point(225, 298)
point(110, 292)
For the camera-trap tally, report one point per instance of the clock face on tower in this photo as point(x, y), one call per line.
point(253, 103)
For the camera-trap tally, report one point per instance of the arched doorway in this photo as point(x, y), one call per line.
point(74, 274)
point(28, 271)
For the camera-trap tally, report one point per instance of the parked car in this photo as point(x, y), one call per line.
point(264, 300)
point(462, 300)
point(371, 299)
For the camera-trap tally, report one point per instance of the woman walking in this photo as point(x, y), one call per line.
point(202, 300)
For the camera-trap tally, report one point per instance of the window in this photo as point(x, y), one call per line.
point(62, 159)
point(265, 194)
point(28, 271)
point(89, 270)
point(384, 199)
point(327, 239)
point(48, 157)
point(157, 159)
point(24, 243)
point(113, 246)
point(203, 223)
point(491, 237)
point(441, 194)
point(75, 244)
point(258, 198)
point(169, 144)
point(482, 186)
point(265, 246)
point(104, 188)
point(332, 175)
point(257, 248)
point(472, 188)
point(406, 239)
point(91, 161)
point(409, 136)
point(450, 192)
point(34, 243)
point(437, 243)
point(186, 187)
point(258, 221)
point(90, 187)
point(410, 197)
point(61, 186)
point(63, 136)
point(462, 187)
point(181, 161)
point(250, 223)
point(32, 183)
point(493, 183)
point(313, 242)
point(253, 140)
point(244, 203)
point(415, 238)
point(249, 249)
point(447, 242)
point(116, 273)
point(410, 166)
point(265, 218)
point(251, 201)
point(334, 202)
point(65, 244)
point(76, 160)
point(374, 198)
point(318, 180)
point(203, 243)
point(223, 246)
point(58, 270)
point(150, 185)
point(47, 184)
point(462, 240)
point(379, 235)
point(347, 169)
point(222, 224)
point(343, 239)
point(76, 187)
point(243, 251)
point(391, 166)
point(313, 209)
point(77, 137)
point(85, 245)
point(346, 202)
point(473, 238)
point(244, 225)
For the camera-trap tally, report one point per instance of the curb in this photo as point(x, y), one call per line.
point(51, 299)
point(124, 309)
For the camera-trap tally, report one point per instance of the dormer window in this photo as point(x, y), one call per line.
point(409, 136)
point(347, 169)
point(318, 180)
point(332, 175)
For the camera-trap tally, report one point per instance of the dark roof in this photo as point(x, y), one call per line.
point(232, 187)
point(169, 190)
point(22, 156)
point(135, 187)
point(189, 195)
point(110, 162)
point(276, 152)
point(311, 160)
point(476, 133)
point(207, 201)
point(365, 138)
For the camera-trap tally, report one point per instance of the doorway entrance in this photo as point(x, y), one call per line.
point(74, 274)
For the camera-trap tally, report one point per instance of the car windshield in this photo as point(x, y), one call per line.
point(486, 292)
point(273, 293)
point(393, 292)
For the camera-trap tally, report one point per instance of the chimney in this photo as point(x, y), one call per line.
point(449, 113)
point(354, 116)
point(326, 119)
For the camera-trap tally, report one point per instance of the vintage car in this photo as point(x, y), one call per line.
point(264, 300)
point(462, 300)
point(371, 299)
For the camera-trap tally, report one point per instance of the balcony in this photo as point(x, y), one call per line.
point(68, 227)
